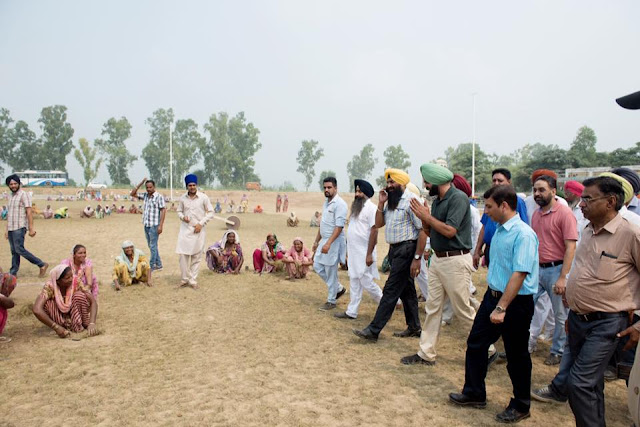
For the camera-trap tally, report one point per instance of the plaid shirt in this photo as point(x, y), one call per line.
point(151, 210)
point(402, 224)
point(17, 210)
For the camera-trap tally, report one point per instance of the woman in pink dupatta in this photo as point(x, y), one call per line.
point(298, 260)
point(6, 287)
point(63, 307)
point(82, 268)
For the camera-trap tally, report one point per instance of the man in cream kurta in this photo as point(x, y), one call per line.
point(194, 211)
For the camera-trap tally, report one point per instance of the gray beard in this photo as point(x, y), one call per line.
point(357, 205)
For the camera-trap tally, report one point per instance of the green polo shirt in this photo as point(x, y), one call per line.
point(453, 209)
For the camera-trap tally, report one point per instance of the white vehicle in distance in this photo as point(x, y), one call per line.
point(96, 186)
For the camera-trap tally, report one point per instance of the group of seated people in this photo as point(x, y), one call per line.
point(226, 256)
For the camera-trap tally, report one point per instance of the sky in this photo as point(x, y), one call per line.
point(345, 74)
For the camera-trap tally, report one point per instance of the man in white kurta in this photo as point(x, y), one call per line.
point(362, 236)
point(194, 211)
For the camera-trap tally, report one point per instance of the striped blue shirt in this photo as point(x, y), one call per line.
point(401, 224)
point(514, 247)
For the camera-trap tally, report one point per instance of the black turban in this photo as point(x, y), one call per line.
point(630, 176)
point(13, 177)
point(364, 186)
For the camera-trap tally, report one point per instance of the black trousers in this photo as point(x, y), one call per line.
point(399, 285)
point(515, 334)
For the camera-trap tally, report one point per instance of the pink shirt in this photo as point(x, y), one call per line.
point(553, 228)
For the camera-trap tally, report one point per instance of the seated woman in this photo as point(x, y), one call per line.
point(47, 213)
point(217, 208)
point(82, 270)
point(225, 256)
point(130, 267)
point(257, 209)
point(64, 308)
point(268, 257)
point(62, 212)
point(315, 220)
point(99, 211)
point(297, 260)
point(107, 210)
point(87, 212)
point(6, 287)
point(133, 209)
point(121, 209)
point(34, 210)
point(293, 220)
point(4, 212)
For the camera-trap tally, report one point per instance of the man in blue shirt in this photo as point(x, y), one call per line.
point(331, 241)
point(506, 309)
point(499, 176)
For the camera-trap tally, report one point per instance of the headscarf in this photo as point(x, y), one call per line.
point(223, 241)
point(540, 172)
point(124, 259)
point(631, 176)
point(275, 245)
point(12, 177)
point(414, 189)
point(295, 254)
point(364, 186)
point(397, 175)
point(64, 304)
point(435, 174)
point(626, 186)
point(191, 178)
point(293, 216)
point(573, 187)
point(461, 184)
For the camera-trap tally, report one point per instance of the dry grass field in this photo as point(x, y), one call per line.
point(241, 350)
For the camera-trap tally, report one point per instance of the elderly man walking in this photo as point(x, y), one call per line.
point(362, 237)
point(406, 238)
point(153, 213)
point(448, 225)
point(331, 237)
point(19, 221)
point(194, 211)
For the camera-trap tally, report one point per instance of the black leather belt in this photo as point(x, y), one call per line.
point(599, 315)
point(550, 264)
point(451, 253)
point(406, 242)
point(495, 294)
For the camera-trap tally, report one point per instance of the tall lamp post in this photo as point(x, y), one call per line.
point(171, 161)
point(473, 150)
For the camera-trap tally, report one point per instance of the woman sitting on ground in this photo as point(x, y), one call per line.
point(82, 270)
point(130, 267)
point(293, 220)
point(225, 256)
point(99, 211)
point(87, 212)
point(6, 287)
point(257, 209)
point(4, 212)
point(297, 260)
point(62, 212)
point(268, 257)
point(64, 308)
point(47, 213)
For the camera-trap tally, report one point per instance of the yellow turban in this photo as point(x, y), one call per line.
point(399, 176)
point(414, 189)
point(626, 185)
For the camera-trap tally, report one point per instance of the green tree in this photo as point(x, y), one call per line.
point(459, 160)
point(116, 132)
point(245, 142)
point(56, 137)
point(308, 156)
point(24, 149)
point(583, 149)
point(86, 156)
point(624, 156)
point(323, 175)
point(537, 156)
point(394, 157)
point(156, 152)
point(361, 165)
point(186, 143)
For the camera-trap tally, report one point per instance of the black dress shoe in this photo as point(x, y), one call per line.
point(366, 334)
point(408, 333)
point(510, 415)
point(461, 399)
point(340, 293)
point(414, 359)
point(343, 315)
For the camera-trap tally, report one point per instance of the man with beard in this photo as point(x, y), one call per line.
point(331, 238)
point(19, 220)
point(194, 210)
point(362, 237)
point(448, 225)
point(403, 232)
point(154, 211)
point(557, 232)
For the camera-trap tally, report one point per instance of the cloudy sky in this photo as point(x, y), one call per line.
point(345, 73)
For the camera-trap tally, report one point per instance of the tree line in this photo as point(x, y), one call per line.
point(226, 147)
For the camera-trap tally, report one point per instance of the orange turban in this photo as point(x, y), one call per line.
point(540, 172)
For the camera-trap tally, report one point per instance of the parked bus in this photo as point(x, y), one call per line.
point(43, 178)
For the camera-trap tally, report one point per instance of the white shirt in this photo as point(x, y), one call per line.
point(358, 242)
point(199, 211)
point(476, 226)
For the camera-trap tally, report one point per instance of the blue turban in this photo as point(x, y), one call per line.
point(191, 178)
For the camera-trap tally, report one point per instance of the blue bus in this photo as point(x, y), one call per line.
point(31, 178)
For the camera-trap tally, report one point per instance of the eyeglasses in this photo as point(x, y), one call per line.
point(588, 199)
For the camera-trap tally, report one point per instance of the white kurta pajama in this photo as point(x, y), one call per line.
point(190, 244)
point(360, 276)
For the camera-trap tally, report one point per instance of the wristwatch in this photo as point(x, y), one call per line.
point(416, 256)
point(500, 309)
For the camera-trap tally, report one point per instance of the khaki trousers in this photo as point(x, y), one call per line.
point(448, 276)
point(189, 266)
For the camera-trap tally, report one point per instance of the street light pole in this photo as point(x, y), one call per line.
point(473, 150)
point(171, 161)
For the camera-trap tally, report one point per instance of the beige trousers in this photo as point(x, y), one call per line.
point(448, 276)
point(189, 266)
